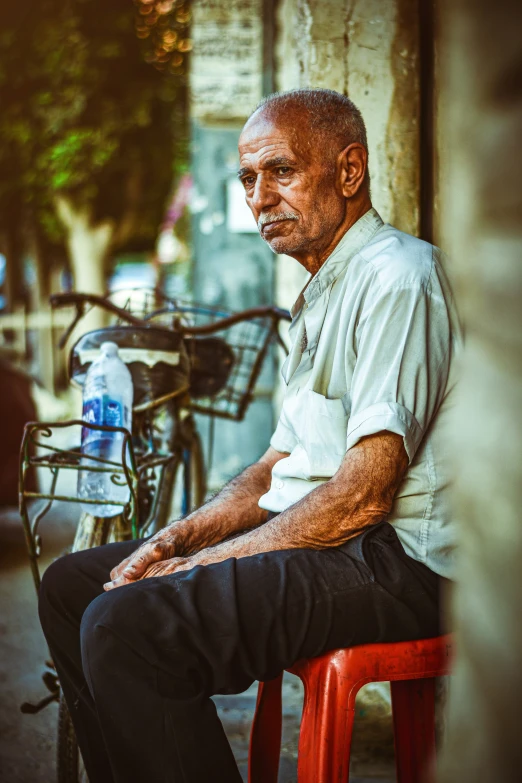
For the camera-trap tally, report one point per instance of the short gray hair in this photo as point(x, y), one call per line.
point(330, 114)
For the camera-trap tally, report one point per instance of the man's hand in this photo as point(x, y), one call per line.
point(163, 567)
point(164, 546)
point(234, 509)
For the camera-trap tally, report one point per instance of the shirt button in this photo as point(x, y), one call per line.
point(279, 484)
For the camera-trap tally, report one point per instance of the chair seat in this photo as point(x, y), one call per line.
point(331, 682)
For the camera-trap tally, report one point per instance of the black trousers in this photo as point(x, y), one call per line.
point(138, 664)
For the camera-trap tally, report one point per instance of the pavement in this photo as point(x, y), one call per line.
point(27, 742)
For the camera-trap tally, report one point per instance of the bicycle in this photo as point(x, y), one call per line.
point(184, 359)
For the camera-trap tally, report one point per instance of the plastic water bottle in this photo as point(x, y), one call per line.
point(107, 399)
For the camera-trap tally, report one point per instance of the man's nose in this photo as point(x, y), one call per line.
point(264, 195)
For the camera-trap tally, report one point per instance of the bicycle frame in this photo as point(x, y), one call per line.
point(141, 456)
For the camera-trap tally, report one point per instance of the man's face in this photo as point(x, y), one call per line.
point(290, 184)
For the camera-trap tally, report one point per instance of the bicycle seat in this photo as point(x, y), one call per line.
point(157, 359)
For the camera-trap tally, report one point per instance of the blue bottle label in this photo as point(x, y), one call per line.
point(92, 412)
point(112, 412)
point(101, 410)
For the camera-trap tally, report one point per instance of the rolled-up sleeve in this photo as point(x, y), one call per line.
point(402, 365)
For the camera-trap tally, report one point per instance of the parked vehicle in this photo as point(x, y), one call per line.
point(18, 407)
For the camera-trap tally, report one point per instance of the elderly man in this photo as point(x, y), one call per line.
point(344, 523)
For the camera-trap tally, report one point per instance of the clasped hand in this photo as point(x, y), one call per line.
point(156, 557)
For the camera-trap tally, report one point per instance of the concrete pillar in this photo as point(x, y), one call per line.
point(367, 49)
point(483, 220)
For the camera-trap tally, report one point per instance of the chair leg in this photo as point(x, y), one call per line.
point(413, 705)
point(326, 726)
point(265, 735)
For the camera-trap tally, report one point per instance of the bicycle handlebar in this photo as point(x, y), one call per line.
point(265, 311)
point(80, 300)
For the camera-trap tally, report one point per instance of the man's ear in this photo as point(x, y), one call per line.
point(352, 162)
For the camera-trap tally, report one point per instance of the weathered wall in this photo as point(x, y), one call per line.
point(367, 49)
point(482, 217)
point(227, 61)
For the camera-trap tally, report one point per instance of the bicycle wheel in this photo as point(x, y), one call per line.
point(70, 766)
point(91, 532)
point(182, 485)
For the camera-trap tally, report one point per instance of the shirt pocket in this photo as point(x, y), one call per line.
point(324, 434)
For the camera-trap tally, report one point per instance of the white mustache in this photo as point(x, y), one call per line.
point(275, 217)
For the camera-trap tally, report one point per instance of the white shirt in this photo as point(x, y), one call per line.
point(374, 336)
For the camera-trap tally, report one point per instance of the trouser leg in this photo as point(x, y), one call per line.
point(68, 587)
point(153, 652)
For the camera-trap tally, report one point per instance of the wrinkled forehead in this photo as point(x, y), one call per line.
point(290, 133)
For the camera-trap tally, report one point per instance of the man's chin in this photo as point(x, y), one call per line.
point(282, 245)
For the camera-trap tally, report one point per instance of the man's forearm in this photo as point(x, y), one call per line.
point(234, 509)
point(359, 495)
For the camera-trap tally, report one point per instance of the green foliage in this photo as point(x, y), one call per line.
point(82, 114)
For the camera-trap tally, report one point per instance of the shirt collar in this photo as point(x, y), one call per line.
point(350, 244)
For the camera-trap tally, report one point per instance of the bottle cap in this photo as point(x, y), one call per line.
point(109, 349)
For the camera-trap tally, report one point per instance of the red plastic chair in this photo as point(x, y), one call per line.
point(331, 682)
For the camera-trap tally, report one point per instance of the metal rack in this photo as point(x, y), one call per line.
point(57, 459)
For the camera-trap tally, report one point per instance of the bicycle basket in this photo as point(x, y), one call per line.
point(224, 367)
point(211, 362)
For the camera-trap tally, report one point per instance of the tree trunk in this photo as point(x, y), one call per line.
point(89, 245)
point(39, 303)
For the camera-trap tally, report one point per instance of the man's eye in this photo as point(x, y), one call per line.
point(283, 171)
point(248, 181)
